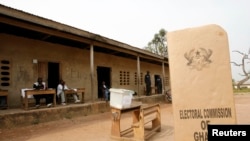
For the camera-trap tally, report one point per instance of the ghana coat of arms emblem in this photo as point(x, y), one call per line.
point(198, 58)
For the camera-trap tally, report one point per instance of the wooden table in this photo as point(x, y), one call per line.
point(75, 91)
point(116, 132)
point(38, 92)
point(6, 94)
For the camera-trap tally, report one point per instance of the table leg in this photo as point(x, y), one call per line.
point(26, 102)
point(54, 99)
point(115, 129)
point(7, 101)
point(136, 115)
point(82, 97)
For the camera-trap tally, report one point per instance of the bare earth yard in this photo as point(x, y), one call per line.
point(98, 127)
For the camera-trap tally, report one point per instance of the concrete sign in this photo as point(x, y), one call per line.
point(201, 81)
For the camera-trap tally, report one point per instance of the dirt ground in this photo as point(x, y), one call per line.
point(98, 127)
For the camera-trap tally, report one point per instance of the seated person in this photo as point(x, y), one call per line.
point(40, 85)
point(60, 92)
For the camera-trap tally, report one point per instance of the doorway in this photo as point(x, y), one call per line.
point(53, 74)
point(50, 72)
point(103, 74)
point(158, 84)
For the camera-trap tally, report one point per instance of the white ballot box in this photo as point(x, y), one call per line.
point(120, 98)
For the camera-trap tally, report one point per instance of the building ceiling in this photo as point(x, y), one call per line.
point(78, 42)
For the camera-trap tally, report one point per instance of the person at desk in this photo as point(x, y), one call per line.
point(60, 92)
point(40, 85)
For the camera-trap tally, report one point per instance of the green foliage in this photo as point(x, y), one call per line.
point(242, 90)
point(158, 44)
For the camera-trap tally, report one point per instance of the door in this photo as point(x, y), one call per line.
point(53, 74)
point(103, 74)
point(50, 72)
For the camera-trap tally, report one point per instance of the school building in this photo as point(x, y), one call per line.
point(33, 46)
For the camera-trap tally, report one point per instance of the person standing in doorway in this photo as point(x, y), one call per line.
point(148, 83)
point(105, 91)
point(159, 85)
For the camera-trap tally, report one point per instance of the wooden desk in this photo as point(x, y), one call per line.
point(149, 115)
point(6, 94)
point(116, 119)
point(38, 92)
point(75, 91)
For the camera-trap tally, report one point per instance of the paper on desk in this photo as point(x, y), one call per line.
point(23, 92)
point(74, 89)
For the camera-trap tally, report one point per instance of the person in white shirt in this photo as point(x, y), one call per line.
point(60, 92)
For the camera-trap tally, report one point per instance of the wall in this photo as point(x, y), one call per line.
point(74, 63)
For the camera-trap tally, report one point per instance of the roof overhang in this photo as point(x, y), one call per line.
point(19, 23)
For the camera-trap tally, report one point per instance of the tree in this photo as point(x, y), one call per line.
point(245, 74)
point(233, 83)
point(158, 45)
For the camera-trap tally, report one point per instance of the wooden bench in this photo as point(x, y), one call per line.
point(27, 94)
point(116, 113)
point(6, 94)
point(74, 91)
point(149, 122)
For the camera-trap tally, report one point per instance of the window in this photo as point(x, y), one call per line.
point(141, 78)
point(5, 72)
point(124, 78)
point(136, 79)
point(166, 81)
